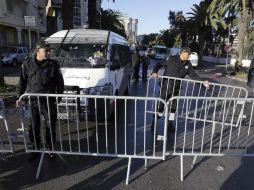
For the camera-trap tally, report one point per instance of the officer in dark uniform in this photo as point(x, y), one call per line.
point(175, 66)
point(40, 74)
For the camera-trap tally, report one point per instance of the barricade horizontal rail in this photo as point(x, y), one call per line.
point(166, 87)
point(113, 126)
point(209, 126)
point(5, 135)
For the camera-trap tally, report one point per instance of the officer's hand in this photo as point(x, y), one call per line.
point(206, 84)
point(154, 75)
point(17, 103)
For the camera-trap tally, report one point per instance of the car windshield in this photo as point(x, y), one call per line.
point(80, 55)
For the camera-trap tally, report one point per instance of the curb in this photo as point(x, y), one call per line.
point(235, 78)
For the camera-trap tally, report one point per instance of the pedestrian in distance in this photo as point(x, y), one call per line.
point(175, 66)
point(40, 74)
point(141, 59)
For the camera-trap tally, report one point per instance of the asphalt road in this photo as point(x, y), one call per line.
point(86, 172)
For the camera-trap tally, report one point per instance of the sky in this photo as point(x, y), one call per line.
point(152, 15)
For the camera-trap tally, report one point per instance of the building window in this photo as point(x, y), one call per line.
point(77, 13)
point(40, 18)
point(9, 6)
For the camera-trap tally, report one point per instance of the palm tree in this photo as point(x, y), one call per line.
point(244, 11)
point(112, 20)
point(201, 22)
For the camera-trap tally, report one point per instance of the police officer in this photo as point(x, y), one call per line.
point(141, 58)
point(175, 66)
point(40, 74)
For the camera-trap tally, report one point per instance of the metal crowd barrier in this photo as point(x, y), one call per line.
point(212, 126)
point(6, 145)
point(190, 88)
point(111, 126)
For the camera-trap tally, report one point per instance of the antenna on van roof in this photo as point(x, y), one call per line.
point(62, 43)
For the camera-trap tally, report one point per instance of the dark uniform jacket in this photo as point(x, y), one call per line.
point(40, 77)
point(174, 67)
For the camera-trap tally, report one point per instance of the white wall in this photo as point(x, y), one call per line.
point(219, 60)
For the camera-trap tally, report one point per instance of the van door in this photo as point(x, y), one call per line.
point(115, 73)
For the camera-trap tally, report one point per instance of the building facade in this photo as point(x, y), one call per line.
point(12, 25)
point(69, 14)
point(131, 29)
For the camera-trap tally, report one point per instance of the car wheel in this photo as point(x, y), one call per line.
point(14, 62)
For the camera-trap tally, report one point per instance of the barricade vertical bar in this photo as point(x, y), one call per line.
point(49, 125)
point(181, 166)
point(40, 165)
point(204, 123)
point(59, 126)
point(185, 126)
point(68, 123)
point(194, 127)
point(213, 125)
point(115, 126)
point(31, 119)
point(96, 125)
point(106, 125)
point(135, 127)
point(145, 120)
point(41, 121)
point(77, 115)
point(125, 130)
point(128, 171)
point(250, 123)
point(87, 129)
point(223, 124)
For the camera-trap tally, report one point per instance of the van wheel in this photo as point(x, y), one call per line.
point(14, 62)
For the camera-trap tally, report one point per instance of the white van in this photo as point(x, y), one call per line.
point(96, 62)
point(159, 52)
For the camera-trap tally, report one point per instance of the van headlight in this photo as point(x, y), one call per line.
point(101, 90)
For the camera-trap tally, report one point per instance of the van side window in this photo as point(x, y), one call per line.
point(114, 54)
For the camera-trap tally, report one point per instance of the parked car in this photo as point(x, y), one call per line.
point(193, 56)
point(13, 55)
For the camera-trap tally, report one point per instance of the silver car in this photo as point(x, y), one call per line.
point(13, 55)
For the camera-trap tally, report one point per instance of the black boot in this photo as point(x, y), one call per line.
point(50, 155)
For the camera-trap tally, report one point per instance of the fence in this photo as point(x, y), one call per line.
point(183, 111)
point(212, 127)
point(111, 126)
point(5, 135)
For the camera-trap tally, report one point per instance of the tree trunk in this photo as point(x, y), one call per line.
point(243, 21)
point(201, 40)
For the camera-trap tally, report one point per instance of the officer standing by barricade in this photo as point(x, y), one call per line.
point(178, 67)
point(40, 74)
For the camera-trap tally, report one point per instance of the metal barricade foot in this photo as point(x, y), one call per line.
point(40, 165)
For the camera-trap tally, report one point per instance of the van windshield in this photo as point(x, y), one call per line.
point(80, 55)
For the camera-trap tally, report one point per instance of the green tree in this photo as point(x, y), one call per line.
point(112, 20)
point(244, 11)
point(201, 21)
